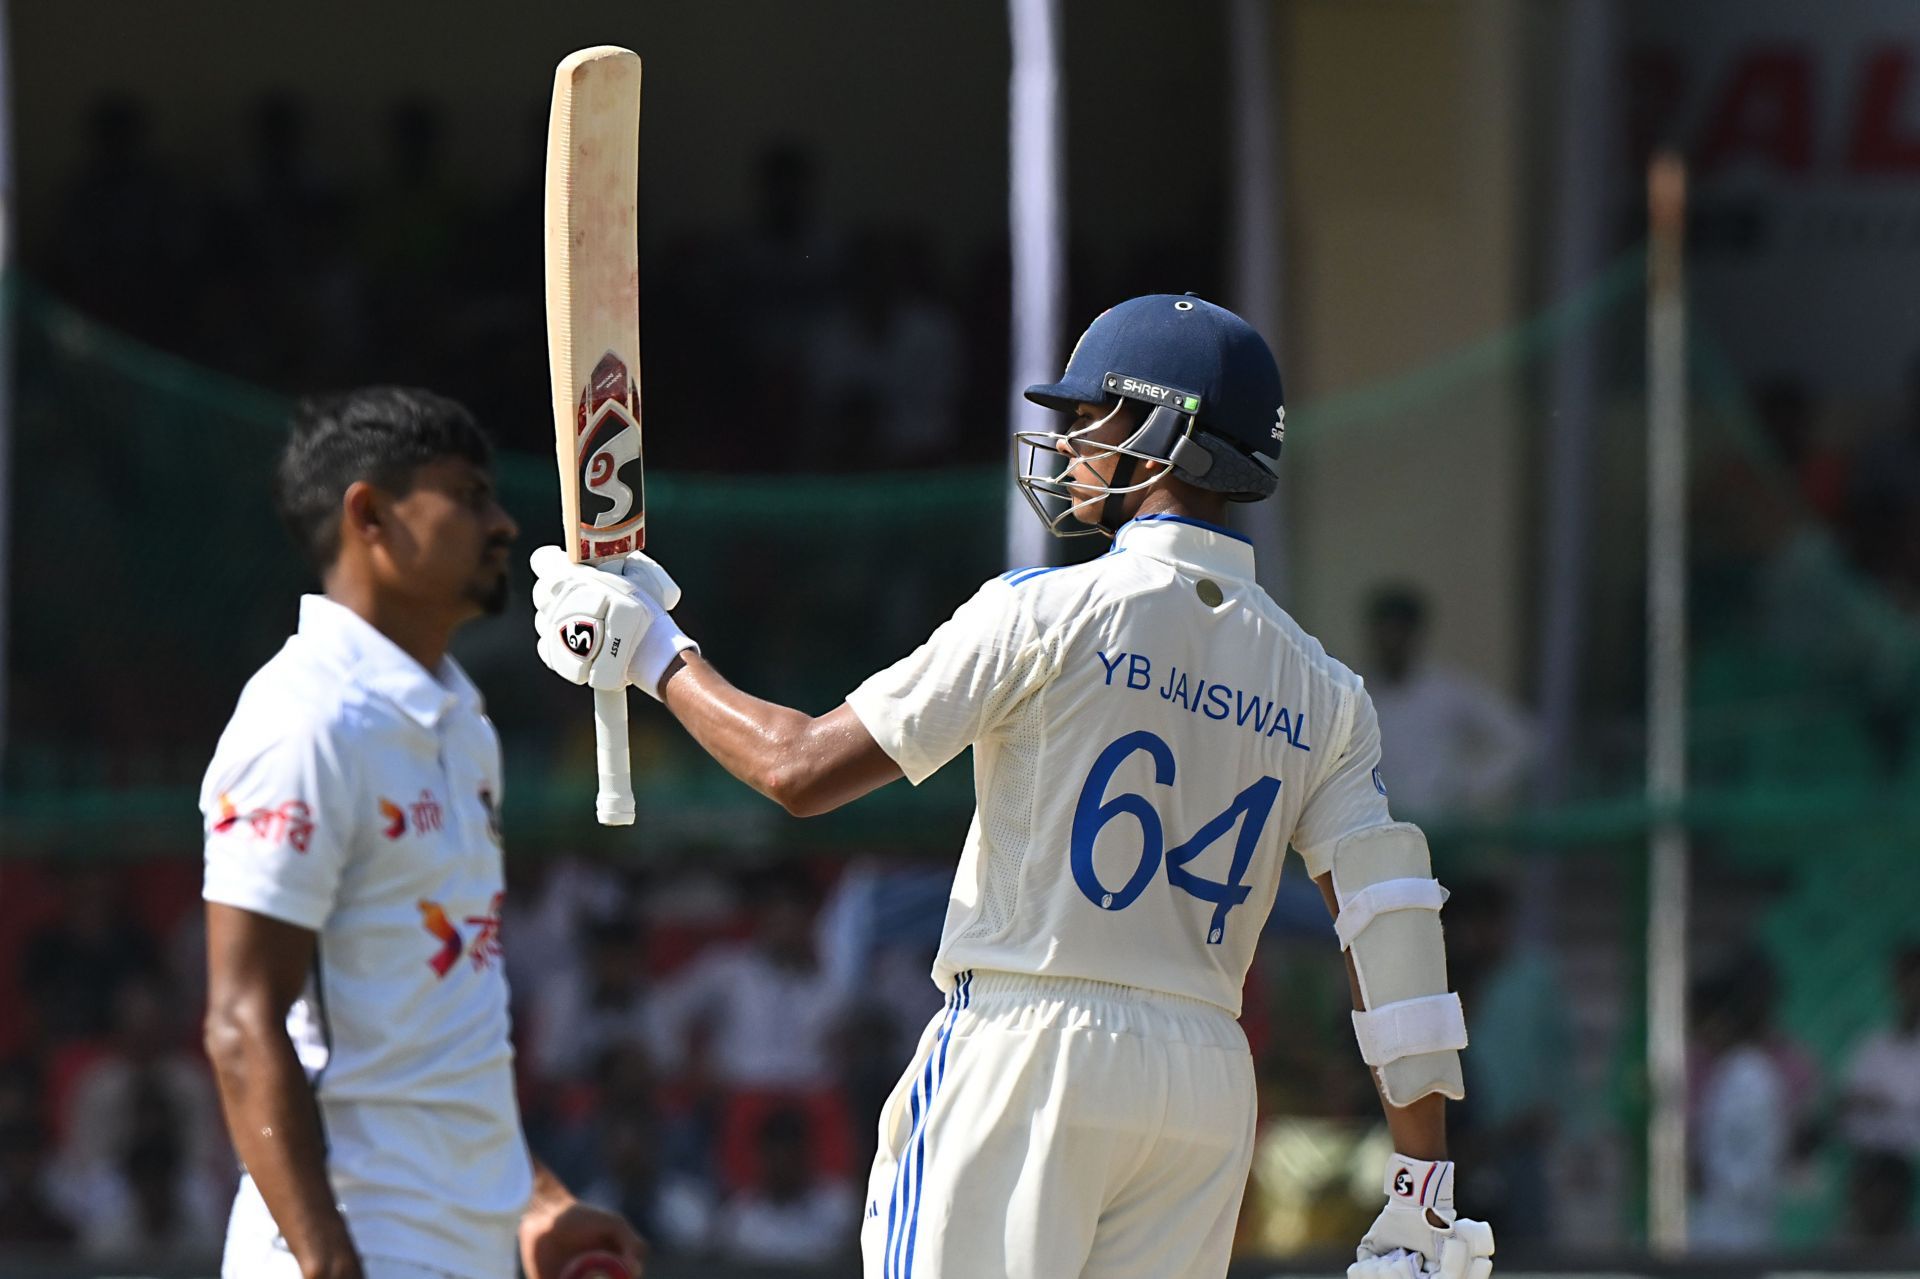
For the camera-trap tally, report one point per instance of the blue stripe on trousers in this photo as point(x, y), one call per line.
point(901, 1233)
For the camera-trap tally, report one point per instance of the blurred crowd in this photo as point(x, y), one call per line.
point(846, 347)
point(1807, 581)
point(706, 1047)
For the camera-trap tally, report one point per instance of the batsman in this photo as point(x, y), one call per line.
point(1150, 733)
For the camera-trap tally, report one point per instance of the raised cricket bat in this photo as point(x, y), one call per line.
point(593, 342)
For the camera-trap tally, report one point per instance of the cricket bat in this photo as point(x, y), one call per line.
point(593, 343)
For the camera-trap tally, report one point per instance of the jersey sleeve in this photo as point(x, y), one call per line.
point(277, 808)
point(957, 687)
point(1351, 797)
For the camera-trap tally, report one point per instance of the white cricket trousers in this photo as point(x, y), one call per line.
point(255, 1250)
point(1051, 1128)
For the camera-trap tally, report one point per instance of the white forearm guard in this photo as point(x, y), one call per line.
point(1412, 1030)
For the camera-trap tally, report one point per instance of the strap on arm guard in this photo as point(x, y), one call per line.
point(1412, 1029)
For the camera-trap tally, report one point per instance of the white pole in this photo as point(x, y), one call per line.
point(1667, 705)
point(1256, 242)
point(1036, 208)
point(6, 363)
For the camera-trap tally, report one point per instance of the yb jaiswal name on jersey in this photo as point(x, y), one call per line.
point(1197, 695)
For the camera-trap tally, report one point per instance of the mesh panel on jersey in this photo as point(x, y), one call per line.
point(1007, 798)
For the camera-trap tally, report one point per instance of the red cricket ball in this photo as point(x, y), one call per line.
point(596, 1265)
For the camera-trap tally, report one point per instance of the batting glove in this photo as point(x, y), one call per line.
point(606, 626)
point(1404, 1241)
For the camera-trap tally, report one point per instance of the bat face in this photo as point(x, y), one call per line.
point(608, 469)
point(593, 297)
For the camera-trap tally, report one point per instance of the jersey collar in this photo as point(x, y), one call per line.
point(1181, 539)
point(379, 665)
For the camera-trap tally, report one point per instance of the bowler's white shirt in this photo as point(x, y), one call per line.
point(1148, 729)
point(355, 794)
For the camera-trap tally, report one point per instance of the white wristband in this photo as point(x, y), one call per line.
point(663, 641)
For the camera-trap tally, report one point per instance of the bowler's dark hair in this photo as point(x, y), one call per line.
point(380, 434)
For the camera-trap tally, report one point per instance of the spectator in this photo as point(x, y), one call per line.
point(1450, 744)
point(791, 1217)
point(672, 1211)
point(143, 1133)
point(119, 242)
point(72, 970)
point(1516, 1076)
point(1743, 1124)
point(758, 1015)
point(788, 258)
point(27, 1212)
point(550, 903)
point(890, 355)
point(601, 1004)
point(149, 1205)
point(1880, 1199)
point(1880, 1105)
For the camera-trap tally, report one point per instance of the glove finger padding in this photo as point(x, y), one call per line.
point(644, 574)
point(1467, 1251)
point(1397, 1264)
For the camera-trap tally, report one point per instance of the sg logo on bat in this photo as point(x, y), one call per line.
point(611, 506)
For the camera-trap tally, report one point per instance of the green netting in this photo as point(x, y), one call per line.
point(144, 481)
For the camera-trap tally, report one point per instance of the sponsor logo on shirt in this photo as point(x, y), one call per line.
point(483, 951)
point(423, 816)
point(289, 822)
point(433, 918)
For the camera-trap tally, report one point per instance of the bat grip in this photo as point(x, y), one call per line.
point(614, 803)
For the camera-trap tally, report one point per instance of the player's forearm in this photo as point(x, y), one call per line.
point(1420, 1128)
point(806, 764)
point(270, 1111)
point(761, 743)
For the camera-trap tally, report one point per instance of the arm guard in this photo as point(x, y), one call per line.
point(1412, 1029)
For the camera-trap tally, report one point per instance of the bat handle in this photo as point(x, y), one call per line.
point(614, 804)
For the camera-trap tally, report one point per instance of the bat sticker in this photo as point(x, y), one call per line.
point(609, 475)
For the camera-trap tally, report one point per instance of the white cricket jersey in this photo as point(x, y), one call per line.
point(356, 795)
point(1150, 732)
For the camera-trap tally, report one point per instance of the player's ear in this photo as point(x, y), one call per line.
point(362, 513)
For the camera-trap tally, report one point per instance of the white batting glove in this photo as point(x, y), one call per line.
point(606, 626)
point(1404, 1242)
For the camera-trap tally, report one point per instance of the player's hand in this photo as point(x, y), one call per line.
point(606, 626)
point(590, 623)
point(552, 1233)
point(1419, 1235)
